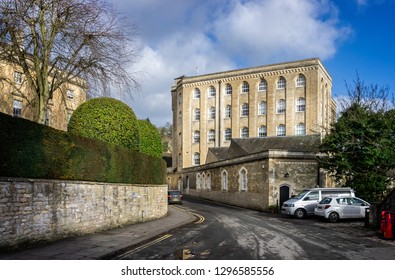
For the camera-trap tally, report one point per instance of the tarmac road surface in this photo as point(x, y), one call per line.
point(226, 233)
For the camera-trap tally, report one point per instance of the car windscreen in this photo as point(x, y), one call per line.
point(300, 195)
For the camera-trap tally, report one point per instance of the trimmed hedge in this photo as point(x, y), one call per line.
point(150, 141)
point(106, 119)
point(31, 150)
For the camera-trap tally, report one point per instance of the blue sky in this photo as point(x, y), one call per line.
point(176, 36)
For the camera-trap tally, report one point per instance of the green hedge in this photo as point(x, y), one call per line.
point(31, 150)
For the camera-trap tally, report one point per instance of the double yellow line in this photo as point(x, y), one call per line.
point(144, 246)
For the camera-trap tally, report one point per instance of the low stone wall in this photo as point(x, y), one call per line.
point(33, 211)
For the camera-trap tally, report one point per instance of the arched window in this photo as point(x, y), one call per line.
point(281, 83)
point(280, 130)
point(179, 98)
point(180, 117)
point(204, 181)
point(196, 158)
point(262, 108)
point(198, 181)
point(243, 180)
point(300, 104)
point(196, 114)
point(228, 89)
point(228, 112)
point(208, 181)
point(301, 129)
point(228, 134)
point(211, 91)
point(280, 106)
point(211, 113)
point(196, 136)
point(245, 88)
point(300, 81)
point(211, 135)
point(245, 110)
point(244, 132)
point(224, 181)
point(196, 93)
point(262, 131)
point(262, 85)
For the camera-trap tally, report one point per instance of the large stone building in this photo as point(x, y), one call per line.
point(285, 99)
point(250, 137)
point(17, 100)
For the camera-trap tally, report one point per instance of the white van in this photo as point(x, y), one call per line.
point(304, 203)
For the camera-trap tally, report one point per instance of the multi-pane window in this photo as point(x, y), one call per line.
point(245, 110)
point(198, 179)
point(300, 81)
point(196, 114)
point(228, 89)
point(262, 108)
point(228, 111)
point(17, 108)
point(262, 85)
point(211, 91)
point(211, 135)
point(262, 131)
point(211, 113)
point(301, 129)
point(243, 180)
point(17, 77)
point(228, 134)
point(196, 93)
point(224, 181)
point(301, 104)
point(280, 130)
point(196, 160)
point(196, 136)
point(281, 83)
point(244, 132)
point(281, 106)
point(245, 88)
point(70, 94)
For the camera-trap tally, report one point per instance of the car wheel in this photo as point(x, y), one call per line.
point(300, 213)
point(333, 217)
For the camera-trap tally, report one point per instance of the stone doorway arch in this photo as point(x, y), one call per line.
point(284, 194)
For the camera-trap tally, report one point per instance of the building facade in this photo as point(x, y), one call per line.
point(16, 98)
point(286, 99)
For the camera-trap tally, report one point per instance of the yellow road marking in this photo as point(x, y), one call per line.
point(144, 246)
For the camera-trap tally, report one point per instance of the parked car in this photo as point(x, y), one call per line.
point(174, 197)
point(305, 202)
point(335, 208)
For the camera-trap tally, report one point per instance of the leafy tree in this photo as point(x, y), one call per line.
point(150, 140)
point(359, 150)
point(106, 119)
point(166, 133)
point(56, 42)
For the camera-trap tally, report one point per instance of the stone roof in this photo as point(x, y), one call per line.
point(243, 147)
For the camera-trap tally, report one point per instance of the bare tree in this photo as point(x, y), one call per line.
point(55, 42)
point(371, 97)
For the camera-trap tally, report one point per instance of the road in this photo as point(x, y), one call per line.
point(227, 233)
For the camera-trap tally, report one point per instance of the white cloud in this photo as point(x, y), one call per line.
point(178, 35)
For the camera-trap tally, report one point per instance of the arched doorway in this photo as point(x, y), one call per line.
point(284, 194)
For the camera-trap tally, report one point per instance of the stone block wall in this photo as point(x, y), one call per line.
point(33, 211)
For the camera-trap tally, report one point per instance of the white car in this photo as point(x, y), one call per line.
point(335, 208)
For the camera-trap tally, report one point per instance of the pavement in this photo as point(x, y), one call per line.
point(106, 244)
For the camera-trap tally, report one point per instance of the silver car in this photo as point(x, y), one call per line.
point(335, 208)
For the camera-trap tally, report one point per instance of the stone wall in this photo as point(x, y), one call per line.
point(33, 211)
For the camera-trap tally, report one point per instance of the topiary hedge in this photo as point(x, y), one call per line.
point(106, 119)
point(31, 150)
point(150, 140)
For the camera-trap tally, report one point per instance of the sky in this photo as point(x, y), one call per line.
point(190, 37)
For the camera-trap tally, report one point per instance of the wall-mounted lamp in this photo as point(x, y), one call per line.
point(286, 175)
